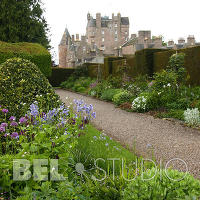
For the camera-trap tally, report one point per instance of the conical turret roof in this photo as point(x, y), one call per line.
point(66, 38)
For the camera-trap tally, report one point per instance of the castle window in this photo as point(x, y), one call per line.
point(116, 25)
point(102, 47)
point(103, 39)
point(84, 48)
point(126, 32)
point(116, 39)
point(102, 32)
point(116, 32)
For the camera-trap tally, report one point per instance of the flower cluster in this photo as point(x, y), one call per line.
point(85, 111)
point(9, 128)
point(191, 117)
point(139, 104)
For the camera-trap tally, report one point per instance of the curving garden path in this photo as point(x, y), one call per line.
point(167, 140)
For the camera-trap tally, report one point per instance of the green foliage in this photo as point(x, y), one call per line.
point(60, 75)
point(78, 85)
point(33, 52)
point(191, 62)
point(109, 93)
point(81, 71)
point(176, 61)
point(176, 64)
point(23, 21)
point(99, 88)
point(161, 187)
point(122, 97)
point(165, 80)
point(21, 81)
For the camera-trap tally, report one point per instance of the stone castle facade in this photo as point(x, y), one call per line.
point(103, 38)
point(110, 37)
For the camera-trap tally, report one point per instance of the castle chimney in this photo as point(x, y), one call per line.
point(77, 37)
point(170, 43)
point(191, 40)
point(119, 15)
point(98, 20)
point(73, 38)
point(113, 15)
point(133, 36)
point(181, 41)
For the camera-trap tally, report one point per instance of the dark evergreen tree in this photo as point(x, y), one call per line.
point(23, 21)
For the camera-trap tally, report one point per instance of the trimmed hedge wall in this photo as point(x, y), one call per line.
point(139, 64)
point(59, 75)
point(110, 64)
point(144, 61)
point(192, 62)
point(33, 52)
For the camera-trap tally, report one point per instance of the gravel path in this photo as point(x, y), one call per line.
point(167, 140)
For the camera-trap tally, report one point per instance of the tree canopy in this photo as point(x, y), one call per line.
point(23, 21)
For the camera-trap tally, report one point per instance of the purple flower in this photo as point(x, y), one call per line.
point(6, 134)
point(15, 135)
point(22, 120)
point(12, 118)
point(93, 115)
point(4, 124)
point(13, 124)
point(2, 129)
point(34, 109)
point(5, 111)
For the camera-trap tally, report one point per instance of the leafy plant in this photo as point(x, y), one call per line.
point(21, 81)
point(109, 93)
point(122, 97)
point(156, 184)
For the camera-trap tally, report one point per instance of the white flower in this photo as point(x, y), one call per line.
point(168, 84)
point(139, 103)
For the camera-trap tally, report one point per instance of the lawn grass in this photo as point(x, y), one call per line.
point(94, 144)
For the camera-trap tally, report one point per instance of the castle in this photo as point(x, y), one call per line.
point(110, 37)
point(103, 37)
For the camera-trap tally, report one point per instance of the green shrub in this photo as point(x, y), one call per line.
point(122, 97)
point(109, 93)
point(165, 80)
point(60, 75)
point(146, 101)
point(161, 187)
point(22, 83)
point(33, 52)
point(192, 62)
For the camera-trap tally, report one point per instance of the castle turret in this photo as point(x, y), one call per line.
point(63, 47)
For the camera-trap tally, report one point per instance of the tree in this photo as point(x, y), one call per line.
point(23, 21)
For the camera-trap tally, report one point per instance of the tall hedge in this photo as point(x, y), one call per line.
point(192, 62)
point(144, 61)
point(59, 75)
point(110, 63)
point(36, 53)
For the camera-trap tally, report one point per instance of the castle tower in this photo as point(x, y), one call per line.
point(63, 48)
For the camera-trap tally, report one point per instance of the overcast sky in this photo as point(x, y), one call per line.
point(170, 18)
